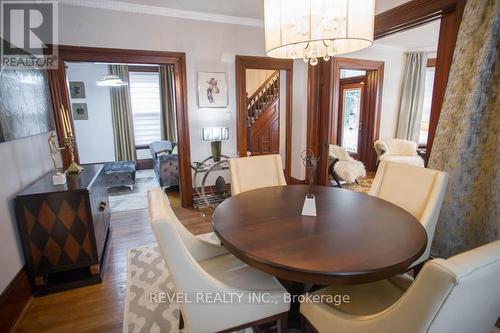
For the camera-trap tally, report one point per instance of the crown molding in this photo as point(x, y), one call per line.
point(163, 11)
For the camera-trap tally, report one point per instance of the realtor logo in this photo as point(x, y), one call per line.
point(28, 34)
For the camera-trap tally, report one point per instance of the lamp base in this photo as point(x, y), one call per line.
point(59, 179)
point(309, 208)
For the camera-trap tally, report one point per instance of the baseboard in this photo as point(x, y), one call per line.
point(295, 181)
point(14, 300)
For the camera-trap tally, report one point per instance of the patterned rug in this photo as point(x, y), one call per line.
point(122, 198)
point(148, 275)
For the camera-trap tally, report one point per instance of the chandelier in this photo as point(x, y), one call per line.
point(313, 29)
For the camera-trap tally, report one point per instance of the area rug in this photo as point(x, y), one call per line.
point(363, 186)
point(122, 198)
point(148, 275)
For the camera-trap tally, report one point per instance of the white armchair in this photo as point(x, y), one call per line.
point(200, 268)
point(249, 173)
point(397, 150)
point(341, 166)
point(458, 295)
point(419, 191)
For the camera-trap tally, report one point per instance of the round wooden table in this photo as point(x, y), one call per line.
point(355, 237)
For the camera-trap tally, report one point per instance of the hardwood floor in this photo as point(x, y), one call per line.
point(99, 308)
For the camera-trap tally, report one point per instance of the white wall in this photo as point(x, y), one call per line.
point(393, 59)
point(204, 44)
point(22, 162)
point(95, 135)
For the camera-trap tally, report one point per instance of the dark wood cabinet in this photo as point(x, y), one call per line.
point(64, 230)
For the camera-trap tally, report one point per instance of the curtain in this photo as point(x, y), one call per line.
point(167, 95)
point(467, 143)
point(121, 111)
point(412, 96)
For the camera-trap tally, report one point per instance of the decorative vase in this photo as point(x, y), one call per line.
point(216, 150)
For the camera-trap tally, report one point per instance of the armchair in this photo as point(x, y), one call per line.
point(458, 295)
point(398, 150)
point(165, 162)
point(343, 167)
point(200, 267)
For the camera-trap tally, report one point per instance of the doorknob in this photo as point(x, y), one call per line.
point(102, 206)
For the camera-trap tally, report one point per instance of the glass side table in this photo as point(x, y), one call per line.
point(206, 167)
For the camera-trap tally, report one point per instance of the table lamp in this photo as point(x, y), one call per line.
point(215, 135)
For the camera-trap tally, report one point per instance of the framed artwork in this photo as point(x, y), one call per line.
point(25, 104)
point(77, 89)
point(80, 111)
point(212, 90)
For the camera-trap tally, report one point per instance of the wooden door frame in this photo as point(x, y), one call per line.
point(359, 82)
point(406, 16)
point(59, 94)
point(253, 62)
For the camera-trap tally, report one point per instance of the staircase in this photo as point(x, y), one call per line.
point(262, 98)
point(263, 118)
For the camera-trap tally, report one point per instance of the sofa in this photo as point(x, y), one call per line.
point(398, 150)
point(165, 162)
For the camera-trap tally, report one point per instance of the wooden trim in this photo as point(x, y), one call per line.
point(94, 54)
point(448, 33)
point(251, 62)
point(14, 300)
point(431, 62)
point(410, 15)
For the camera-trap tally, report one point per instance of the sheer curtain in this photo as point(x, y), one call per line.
point(121, 111)
point(167, 95)
point(467, 138)
point(412, 96)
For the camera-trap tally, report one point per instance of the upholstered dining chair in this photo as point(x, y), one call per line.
point(458, 295)
point(200, 268)
point(398, 150)
point(419, 191)
point(252, 172)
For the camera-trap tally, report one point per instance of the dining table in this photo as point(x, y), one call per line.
point(354, 238)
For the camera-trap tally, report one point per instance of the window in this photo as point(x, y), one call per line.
point(426, 113)
point(146, 106)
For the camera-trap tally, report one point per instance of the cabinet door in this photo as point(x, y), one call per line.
point(100, 212)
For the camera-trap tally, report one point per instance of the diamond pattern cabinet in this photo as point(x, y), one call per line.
point(64, 229)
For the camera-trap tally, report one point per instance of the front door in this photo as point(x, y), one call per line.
point(351, 116)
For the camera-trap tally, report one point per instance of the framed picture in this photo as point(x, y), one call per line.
point(77, 89)
point(80, 111)
point(212, 90)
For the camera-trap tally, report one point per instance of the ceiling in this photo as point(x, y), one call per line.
point(423, 38)
point(240, 8)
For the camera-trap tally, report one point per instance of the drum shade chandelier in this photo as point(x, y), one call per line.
point(312, 29)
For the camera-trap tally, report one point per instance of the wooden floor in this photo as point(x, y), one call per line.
point(99, 308)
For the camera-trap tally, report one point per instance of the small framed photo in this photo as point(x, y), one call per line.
point(212, 90)
point(80, 111)
point(77, 89)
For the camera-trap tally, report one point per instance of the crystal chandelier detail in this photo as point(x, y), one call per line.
point(313, 29)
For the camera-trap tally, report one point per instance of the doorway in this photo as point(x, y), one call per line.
point(137, 70)
point(264, 107)
point(351, 111)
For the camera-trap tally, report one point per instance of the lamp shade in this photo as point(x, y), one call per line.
point(311, 29)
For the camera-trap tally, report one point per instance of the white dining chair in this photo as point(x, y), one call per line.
point(458, 295)
point(200, 268)
point(419, 191)
point(252, 172)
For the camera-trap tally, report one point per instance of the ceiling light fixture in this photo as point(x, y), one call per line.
point(111, 81)
point(312, 29)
